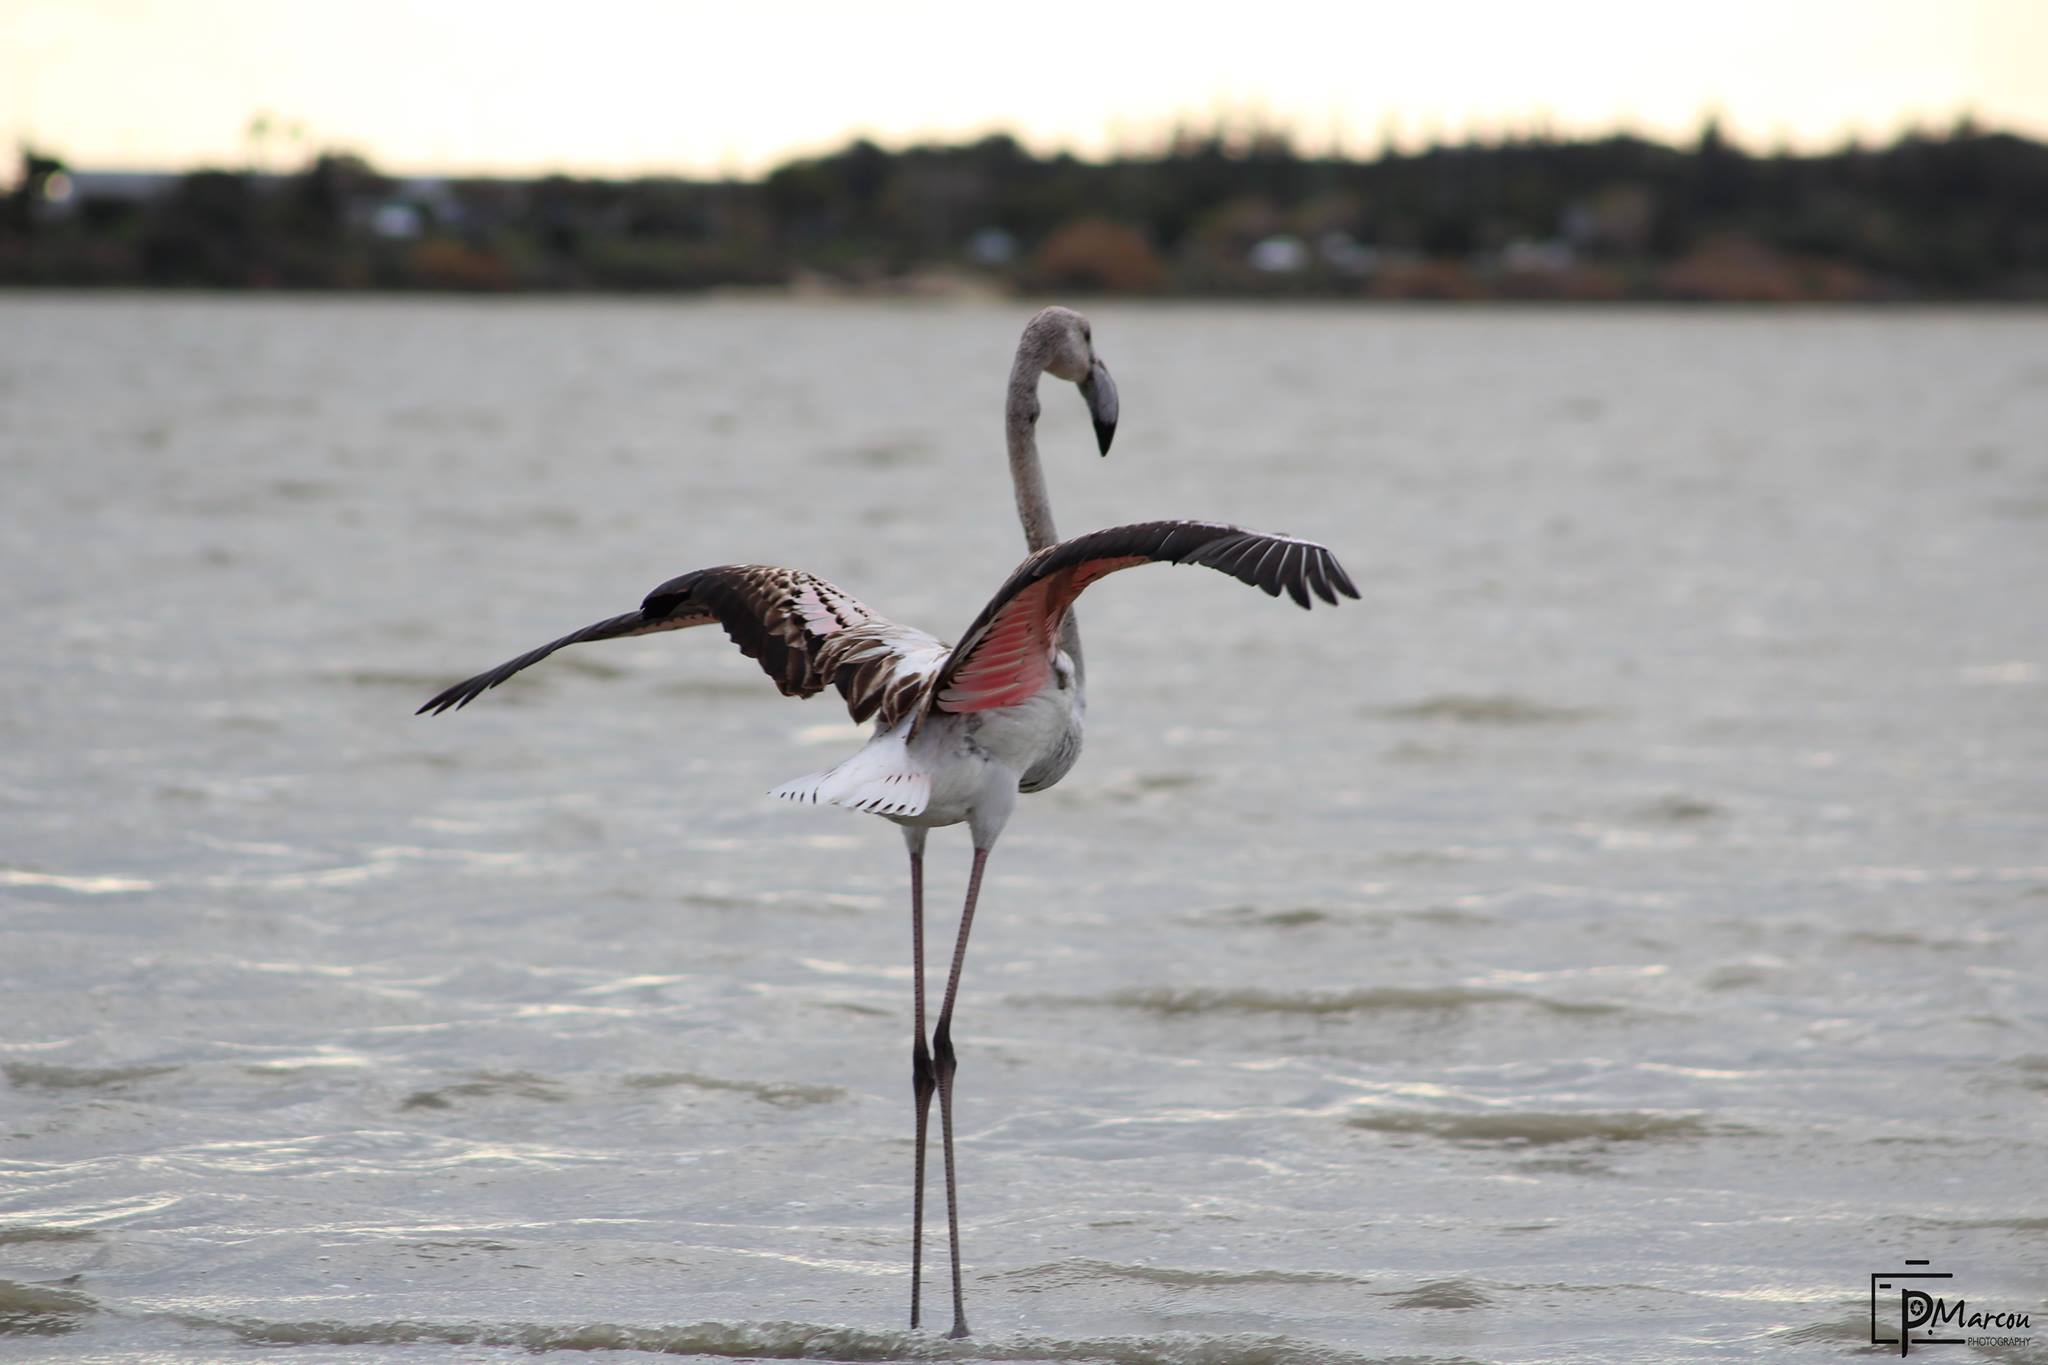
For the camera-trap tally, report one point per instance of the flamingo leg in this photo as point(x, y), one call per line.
point(921, 1082)
point(942, 1047)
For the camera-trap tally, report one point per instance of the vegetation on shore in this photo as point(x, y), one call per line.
point(1959, 215)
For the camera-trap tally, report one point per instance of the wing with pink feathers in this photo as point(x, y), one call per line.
point(1006, 657)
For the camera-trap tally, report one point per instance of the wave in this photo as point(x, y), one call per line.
point(707, 689)
point(1442, 1294)
point(1081, 1269)
point(88, 885)
point(1524, 1128)
point(787, 1094)
point(400, 680)
point(2032, 1070)
point(1303, 916)
point(1679, 809)
point(39, 1310)
point(1853, 1331)
point(490, 1084)
point(45, 1233)
point(1291, 917)
point(1990, 1224)
point(44, 1076)
point(791, 1341)
point(1500, 708)
point(1177, 1000)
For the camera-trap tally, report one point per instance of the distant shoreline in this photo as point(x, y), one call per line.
point(1948, 218)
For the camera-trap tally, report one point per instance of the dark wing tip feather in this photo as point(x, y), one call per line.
point(1296, 580)
point(642, 622)
point(1318, 574)
point(1303, 569)
point(469, 689)
point(453, 698)
point(1340, 578)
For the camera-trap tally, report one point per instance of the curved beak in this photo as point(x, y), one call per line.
point(1100, 391)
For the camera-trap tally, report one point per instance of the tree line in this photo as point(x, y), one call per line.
point(1961, 214)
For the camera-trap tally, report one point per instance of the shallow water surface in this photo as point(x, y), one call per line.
point(1614, 938)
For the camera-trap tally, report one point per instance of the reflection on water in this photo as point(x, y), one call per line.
point(1625, 929)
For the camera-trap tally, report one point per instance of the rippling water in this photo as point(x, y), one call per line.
point(1614, 938)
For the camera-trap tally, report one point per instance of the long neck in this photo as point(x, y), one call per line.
point(1027, 475)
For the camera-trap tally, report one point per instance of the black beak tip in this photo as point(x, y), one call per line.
point(1100, 392)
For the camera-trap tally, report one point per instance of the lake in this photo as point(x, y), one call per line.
point(1618, 936)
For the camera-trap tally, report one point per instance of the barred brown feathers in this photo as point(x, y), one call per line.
point(805, 632)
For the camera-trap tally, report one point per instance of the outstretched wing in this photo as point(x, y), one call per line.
point(1006, 657)
point(805, 633)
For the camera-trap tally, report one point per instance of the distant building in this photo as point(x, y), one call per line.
point(992, 247)
point(1280, 254)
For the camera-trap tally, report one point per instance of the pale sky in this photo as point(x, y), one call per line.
point(632, 86)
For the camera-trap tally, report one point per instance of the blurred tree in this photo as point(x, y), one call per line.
point(1096, 255)
point(204, 232)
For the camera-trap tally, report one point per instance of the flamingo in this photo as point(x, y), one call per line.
point(960, 730)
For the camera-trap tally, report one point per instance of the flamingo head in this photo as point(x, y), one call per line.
point(1067, 344)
